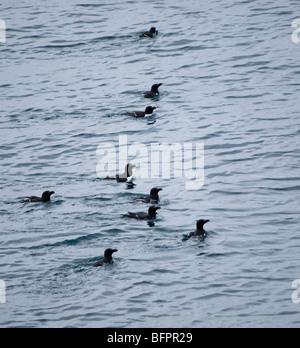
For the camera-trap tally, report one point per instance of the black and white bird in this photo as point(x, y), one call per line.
point(151, 33)
point(200, 232)
point(45, 198)
point(106, 259)
point(154, 91)
point(153, 198)
point(150, 216)
point(139, 114)
point(127, 176)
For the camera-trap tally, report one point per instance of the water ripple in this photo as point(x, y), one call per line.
point(230, 75)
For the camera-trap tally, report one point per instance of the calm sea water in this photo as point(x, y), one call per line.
point(69, 70)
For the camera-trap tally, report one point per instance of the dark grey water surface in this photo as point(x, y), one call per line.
point(69, 70)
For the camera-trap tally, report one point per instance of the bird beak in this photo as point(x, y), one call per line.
point(52, 193)
point(206, 221)
point(115, 250)
point(160, 84)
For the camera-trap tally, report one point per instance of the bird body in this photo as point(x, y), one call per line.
point(200, 232)
point(150, 216)
point(154, 91)
point(139, 114)
point(153, 198)
point(151, 33)
point(107, 258)
point(125, 177)
point(45, 198)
